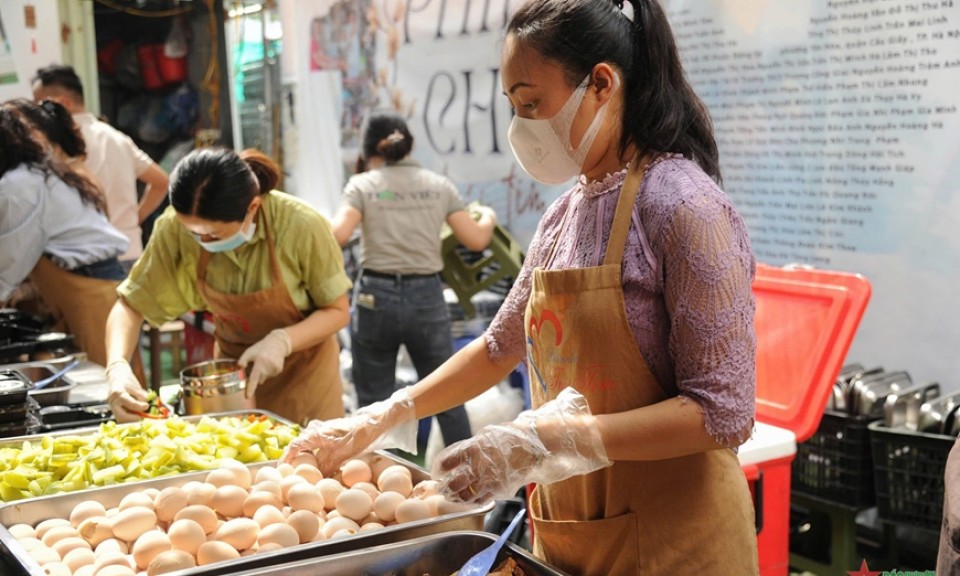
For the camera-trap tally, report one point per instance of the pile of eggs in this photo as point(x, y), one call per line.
point(234, 512)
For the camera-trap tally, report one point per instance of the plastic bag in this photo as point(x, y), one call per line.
point(176, 45)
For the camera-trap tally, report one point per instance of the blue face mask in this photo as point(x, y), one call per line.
point(231, 243)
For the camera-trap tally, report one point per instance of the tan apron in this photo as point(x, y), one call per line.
point(79, 303)
point(948, 557)
point(689, 515)
point(309, 386)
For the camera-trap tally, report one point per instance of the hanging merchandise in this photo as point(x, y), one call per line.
point(182, 108)
point(155, 123)
point(149, 68)
point(127, 68)
point(107, 56)
point(172, 58)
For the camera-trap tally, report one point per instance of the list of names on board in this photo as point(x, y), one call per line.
point(823, 115)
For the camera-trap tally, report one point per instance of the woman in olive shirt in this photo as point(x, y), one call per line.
point(264, 263)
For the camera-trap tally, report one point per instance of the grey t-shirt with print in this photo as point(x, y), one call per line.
point(404, 207)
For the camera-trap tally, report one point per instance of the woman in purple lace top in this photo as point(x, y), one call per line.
point(686, 276)
point(634, 312)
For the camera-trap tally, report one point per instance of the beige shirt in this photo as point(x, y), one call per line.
point(116, 162)
point(404, 208)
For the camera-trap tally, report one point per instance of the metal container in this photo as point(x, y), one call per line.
point(952, 426)
point(58, 391)
point(17, 441)
point(435, 555)
point(34, 510)
point(902, 409)
point(873, 392)
point(214, 386)
point(934, 414)
point(851, 384)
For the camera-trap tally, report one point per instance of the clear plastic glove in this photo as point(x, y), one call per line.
point(125, 395)
point(552, 443)
point(391, 423)
point(267, 356)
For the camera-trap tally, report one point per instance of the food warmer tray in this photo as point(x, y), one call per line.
point(17, 441)
point(58, 391)
point(436, 555)
point(33, 510)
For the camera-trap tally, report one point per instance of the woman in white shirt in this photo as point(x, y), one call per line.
point(54, 231)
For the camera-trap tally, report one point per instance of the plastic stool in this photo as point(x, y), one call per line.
point(502, 259)
point(173, 332)
point(841, 533)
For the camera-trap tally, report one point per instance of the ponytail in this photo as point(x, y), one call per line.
point(393, 147)
point(264, 169)
point(662, 113)
point(385, 134)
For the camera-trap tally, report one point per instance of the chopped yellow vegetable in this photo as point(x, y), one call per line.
point(139, 451)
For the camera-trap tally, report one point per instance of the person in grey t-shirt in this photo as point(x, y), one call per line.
point(398, 297)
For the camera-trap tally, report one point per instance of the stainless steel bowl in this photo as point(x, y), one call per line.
point(214, 386)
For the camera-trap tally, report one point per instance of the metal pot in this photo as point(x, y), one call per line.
point(214, 386)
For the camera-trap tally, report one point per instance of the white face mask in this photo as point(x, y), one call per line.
point(542, 146)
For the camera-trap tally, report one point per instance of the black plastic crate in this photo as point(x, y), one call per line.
point(909, 475)
point(836, 463)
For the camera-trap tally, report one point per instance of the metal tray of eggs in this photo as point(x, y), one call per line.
point(434, 555)
point(235, 518)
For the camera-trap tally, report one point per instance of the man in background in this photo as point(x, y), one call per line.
point(112, 157)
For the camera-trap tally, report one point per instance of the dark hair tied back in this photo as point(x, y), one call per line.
point(386, 135)
point(218, 184)
point(661, 111)
point(18, 145)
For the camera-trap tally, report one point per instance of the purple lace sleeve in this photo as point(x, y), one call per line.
point(687, 274)
point(708, 269)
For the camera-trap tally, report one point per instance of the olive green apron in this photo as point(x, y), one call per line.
point(688, 515)
point(309, 385)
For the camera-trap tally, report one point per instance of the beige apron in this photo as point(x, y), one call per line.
point(309, 386)
point(948, 557)
point(79, 303)
point(689, 515)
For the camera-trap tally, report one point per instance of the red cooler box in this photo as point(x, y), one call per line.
point(805, 322)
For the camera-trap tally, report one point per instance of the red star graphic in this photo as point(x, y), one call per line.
point(863, 571)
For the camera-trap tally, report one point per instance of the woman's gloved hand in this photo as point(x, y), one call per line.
point(390, 423)
point(267, 356)
point(125, 395)
point(554, 442)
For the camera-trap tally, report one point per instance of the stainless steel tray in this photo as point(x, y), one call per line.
point(57, 392)
point(902, 409)
point(34, 510)
point(436, 555)
point(17, 441)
